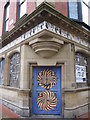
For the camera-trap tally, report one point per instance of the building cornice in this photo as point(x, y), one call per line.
point(44, 12)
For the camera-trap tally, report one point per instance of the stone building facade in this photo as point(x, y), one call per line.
point(44, 60)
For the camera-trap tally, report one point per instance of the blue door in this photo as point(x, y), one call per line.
point(47, 97)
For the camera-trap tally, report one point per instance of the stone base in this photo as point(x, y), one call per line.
point(76, 112)
point(68, 113)
point(24, 112)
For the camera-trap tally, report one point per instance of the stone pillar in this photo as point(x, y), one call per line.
point(70, 67)
point(6, 71)
point(88, 82)
point(24, 69)
point(88, 69)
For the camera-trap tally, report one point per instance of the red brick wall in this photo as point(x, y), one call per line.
point(31, 6)
point(61, 7)
point(12, 14)
point(1, 16)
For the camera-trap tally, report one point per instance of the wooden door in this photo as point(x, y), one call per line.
point(47, 98)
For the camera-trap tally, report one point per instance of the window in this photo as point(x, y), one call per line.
point(74, 10)
point(14, 70)
point(22, 8)
point(81, 68)
point(6, 17)
point(2, 72)
point(85, 11)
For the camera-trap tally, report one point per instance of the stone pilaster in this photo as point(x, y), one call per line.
point(6, 71)
point(24, 69)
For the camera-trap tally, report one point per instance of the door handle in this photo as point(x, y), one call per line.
point(30, 93)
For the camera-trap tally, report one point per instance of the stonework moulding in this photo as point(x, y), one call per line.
point(44, 12)
point(46, 47)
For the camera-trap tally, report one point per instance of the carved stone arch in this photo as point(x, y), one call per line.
point(84, 52)
point(1, 58)
point(10, 54)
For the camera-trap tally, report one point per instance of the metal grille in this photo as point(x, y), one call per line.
point(2, 72)
point(81, 59)
point(14, 69)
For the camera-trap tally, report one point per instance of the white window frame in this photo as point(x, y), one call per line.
point(85, 11)
point(22, 8)
point(6, 20)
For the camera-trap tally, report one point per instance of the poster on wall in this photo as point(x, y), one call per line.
point(80, 73)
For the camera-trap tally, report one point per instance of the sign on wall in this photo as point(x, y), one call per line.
point(80, 73)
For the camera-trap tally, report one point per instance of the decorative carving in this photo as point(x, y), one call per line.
point(47, 79)
point(46, 47)
point(47, 100)
point(50, 27)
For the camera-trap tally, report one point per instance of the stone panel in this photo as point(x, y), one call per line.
point(74, 113)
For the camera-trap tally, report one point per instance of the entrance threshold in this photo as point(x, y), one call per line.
point(46, 116)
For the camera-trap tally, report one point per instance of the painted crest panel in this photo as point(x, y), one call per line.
point(47, 91)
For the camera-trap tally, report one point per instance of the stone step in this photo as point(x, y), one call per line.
point(30, 118)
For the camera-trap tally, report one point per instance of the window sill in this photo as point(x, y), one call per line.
point(77, 89)
point(14, 89)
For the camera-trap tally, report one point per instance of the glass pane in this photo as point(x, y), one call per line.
point(21, 1)
point(85, 10)
point(1, 72)
point(7, 25)
point(86, 1)
point(7, 12)
point(22, 9)
point(73, 10)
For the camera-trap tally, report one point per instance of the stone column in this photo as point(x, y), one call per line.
point(70, 66)
point(88, 69)
point(6, 71)
point(24, 68)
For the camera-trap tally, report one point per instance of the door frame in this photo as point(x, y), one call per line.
point(31, 65)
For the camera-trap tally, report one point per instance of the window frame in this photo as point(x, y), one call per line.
point(19, 6)
point(85, 12)
point(6, 20)
point(79, 12)
point(82, 63)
